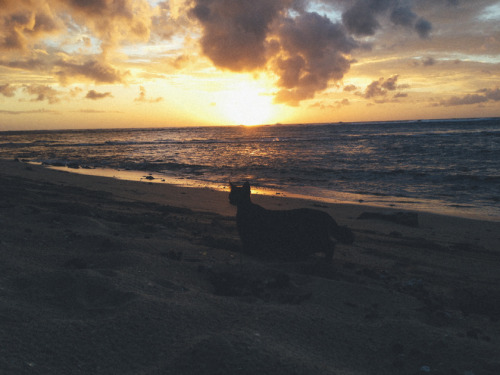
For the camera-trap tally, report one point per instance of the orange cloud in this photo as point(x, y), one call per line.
point(382, 86)
point(481, 96)
point(93, 70)
point(7, 90)
point(43, 92)
point(112, 21)
point(143, 98)
point(24, 22)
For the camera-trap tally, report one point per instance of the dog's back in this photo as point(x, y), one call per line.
point(285, 234)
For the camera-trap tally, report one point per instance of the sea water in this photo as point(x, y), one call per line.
point(442, 166)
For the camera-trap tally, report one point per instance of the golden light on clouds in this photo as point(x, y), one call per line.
point(197, 62)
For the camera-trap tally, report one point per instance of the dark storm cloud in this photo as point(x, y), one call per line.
point(94, 95)
point(235, 32)
point(362, 18)
point(423, 28)
point(315, 51)
point(403, 16)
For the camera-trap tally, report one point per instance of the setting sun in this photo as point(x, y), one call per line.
point(246, 104)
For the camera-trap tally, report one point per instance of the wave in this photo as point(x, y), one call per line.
point(455, 162)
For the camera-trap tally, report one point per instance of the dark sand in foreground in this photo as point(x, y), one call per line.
point(101, 276)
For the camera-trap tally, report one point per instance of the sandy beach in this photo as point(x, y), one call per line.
point(105, 276)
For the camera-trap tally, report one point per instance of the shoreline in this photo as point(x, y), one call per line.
point(104, 276)
point(366, 200)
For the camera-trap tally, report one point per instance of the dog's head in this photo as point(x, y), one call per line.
point(239, 194)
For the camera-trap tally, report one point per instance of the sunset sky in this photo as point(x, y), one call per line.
point(145, 63)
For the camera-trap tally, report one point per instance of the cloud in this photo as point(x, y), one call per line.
point(350, 88)
point(31, 112)
point(235, 32)
point(423, 28)
point(95, 111)
point(8, 90)
point(70, 69)
point(43, 92)
point(362, 17)
point(335, 105)
point(390, 83)
point(403, 16)
point(93, 70)
point(428, 61)
point(22, 24)
point(170, 19)
point(491, 94)
point(112, 21)
point(143, 98)
point(94, 95)
point(31, 64)
point(481, 96)
point(314, 52)
point(382, 86)
point(75, 91)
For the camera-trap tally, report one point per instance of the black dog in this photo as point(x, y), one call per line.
point(286, 234)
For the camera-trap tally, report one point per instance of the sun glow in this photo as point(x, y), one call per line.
point(246, 104)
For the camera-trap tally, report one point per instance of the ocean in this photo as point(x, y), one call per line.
point(441, 166)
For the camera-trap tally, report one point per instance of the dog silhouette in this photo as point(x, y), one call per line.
point(285, 234)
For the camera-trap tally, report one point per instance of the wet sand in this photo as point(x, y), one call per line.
point(105, 276)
